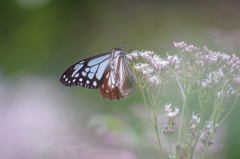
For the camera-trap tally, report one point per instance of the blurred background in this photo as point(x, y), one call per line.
point(40, 39)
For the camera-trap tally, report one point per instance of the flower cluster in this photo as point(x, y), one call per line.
point(171, 115)
point(211, 70)
point(154, 69)
point(212, 77)
point(194, 125)
point(206, 136)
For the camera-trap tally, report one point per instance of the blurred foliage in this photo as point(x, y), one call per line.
point(45, 38)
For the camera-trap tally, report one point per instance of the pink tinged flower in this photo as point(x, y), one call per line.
point(209, 126)
point(193, 126)
point(159, 63)
point(144, 69)
point(147, 55)
point(205, 49)
point(204, 140)
point(212, 58)
point(168, 132)
point(225, 57)
point(174, 61)
point(180, 45)
point(147, 72)
point(236, 80)
point(205, 83)
point(215, 77)
point(190, 49)
point(234, 58)
point(207, 142)
point(199, 63)
point(133, 56)
point(230, 91)
point(137, 68)
point(154, 80)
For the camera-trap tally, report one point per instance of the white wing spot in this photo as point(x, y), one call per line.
point(80, 79)
point(66, 79)
point(64, 76)
point(95, 83)
point(87, 81)
point(77, 75)
point(74, 80)
point(69, 81)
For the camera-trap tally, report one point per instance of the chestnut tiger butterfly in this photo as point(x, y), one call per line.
point(109, 71)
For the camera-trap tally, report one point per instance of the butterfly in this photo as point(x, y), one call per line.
point(109, 71)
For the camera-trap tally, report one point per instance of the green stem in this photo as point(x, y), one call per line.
point(158, 138)
point(154, 123)
point(202, 108)
point(183, 110)
point(204, 152)
point(169, 144)
point(236, 99)
point(146, 106)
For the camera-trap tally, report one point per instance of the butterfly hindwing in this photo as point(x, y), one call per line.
point(126, 79)
point(87, 73)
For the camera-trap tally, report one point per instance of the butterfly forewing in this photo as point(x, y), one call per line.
point(87, 73)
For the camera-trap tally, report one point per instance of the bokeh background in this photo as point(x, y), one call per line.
point(40, 39)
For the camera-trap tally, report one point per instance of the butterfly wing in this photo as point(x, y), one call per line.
point(118, 82)
point(87, 73)
point(109, 88)
point(125, 77)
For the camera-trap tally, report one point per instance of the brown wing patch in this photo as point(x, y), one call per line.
point(109, 88)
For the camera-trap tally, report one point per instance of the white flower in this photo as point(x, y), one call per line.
point(195, 118)
point(170, 113)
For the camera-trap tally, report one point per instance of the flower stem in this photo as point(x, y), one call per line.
point(158, 138)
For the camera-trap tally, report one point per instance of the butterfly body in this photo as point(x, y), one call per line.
point(109, 71)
